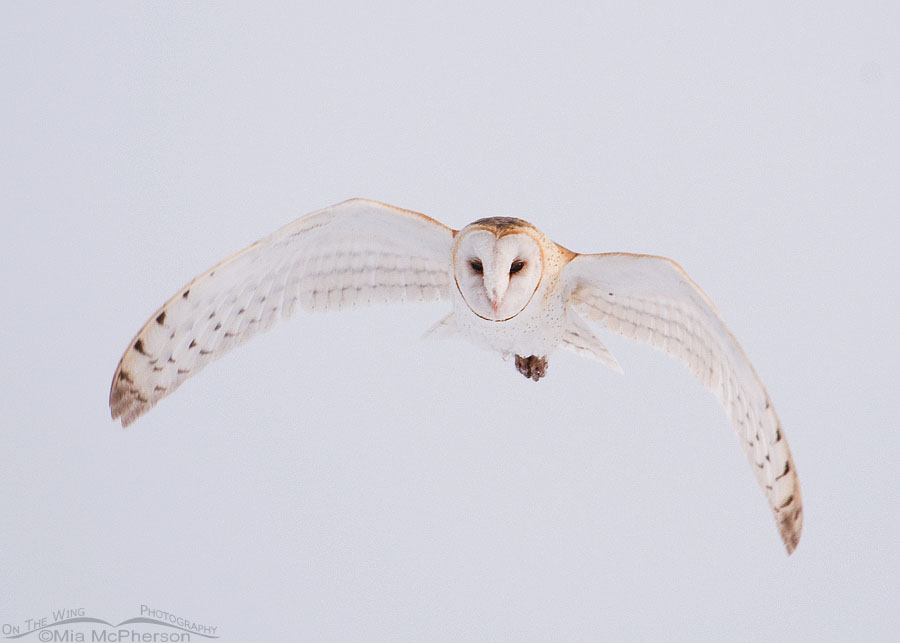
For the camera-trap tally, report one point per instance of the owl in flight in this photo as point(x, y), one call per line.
point(512, 290)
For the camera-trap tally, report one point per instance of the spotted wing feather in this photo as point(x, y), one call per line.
point(652, 300)
point(355, 253)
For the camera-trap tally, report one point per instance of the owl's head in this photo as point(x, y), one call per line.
point(498, 264)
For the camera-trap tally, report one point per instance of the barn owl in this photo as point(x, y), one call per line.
point(512, 290)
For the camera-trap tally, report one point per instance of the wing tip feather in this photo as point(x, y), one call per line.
point(790, 528)
point(125, 401)
point(790, 521)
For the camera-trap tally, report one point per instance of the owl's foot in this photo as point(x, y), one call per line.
point(532, 367)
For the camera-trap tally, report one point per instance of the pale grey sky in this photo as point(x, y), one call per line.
point(340, 480)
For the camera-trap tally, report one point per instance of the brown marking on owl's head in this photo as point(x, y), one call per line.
point(501, 226)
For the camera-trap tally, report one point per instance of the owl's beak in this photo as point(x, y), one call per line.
point(495, 289)
point(496, 298)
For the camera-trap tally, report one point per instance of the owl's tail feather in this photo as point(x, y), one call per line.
point(444, 329)
point(580, 339)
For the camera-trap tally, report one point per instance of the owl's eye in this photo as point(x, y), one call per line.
point(476, 266)
point(516, 266)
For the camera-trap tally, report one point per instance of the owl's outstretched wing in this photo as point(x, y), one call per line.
point(652, 300)
point(354, 253)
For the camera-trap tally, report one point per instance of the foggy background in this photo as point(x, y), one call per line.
point(337, 479)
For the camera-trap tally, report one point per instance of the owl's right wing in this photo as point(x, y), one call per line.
point(653, 300)
point(354, 253)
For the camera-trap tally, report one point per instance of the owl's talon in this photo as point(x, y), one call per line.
point(532, 367)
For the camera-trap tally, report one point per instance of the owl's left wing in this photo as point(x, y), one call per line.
point(652, 300)
point(356, 252)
